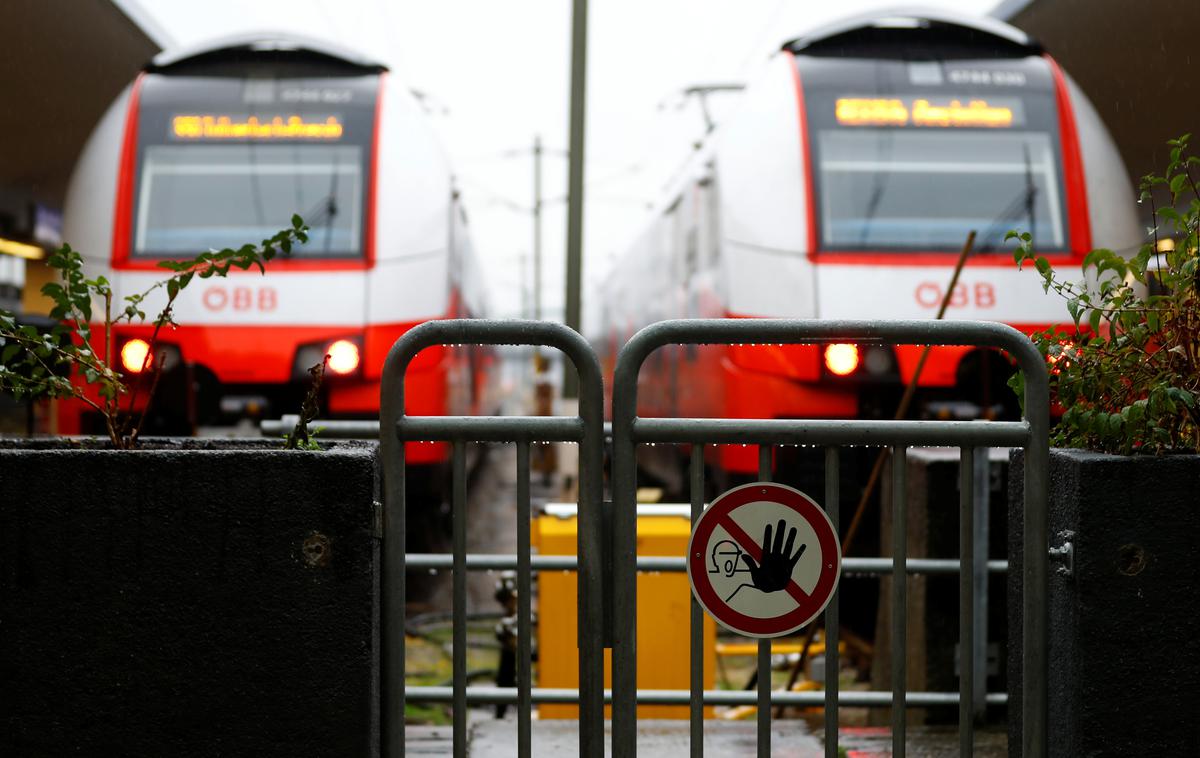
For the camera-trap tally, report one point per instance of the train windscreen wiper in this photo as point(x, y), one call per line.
point(1024, 201)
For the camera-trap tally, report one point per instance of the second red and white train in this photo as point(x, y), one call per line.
point(844, 187)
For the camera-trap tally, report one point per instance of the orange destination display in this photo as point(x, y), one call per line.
point(200, 126)
point(921, 111)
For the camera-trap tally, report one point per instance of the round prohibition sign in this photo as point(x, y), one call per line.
point(764, 560)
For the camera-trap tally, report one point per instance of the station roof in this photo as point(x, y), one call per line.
point(61, 65)
point(1137, 62)
point(901, 17)
point(259, 42)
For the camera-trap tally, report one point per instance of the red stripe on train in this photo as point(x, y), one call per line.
point(1072, 162)
point(127, 163)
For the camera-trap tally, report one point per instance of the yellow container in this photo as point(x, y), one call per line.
point(663, 614)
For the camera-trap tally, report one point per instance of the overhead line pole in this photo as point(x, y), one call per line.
point(537, 227)
point(575, 180)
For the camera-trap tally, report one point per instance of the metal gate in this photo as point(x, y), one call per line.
point(599, 593)
point(587, 430)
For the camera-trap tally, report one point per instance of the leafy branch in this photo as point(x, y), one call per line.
point(299, 438)
point(62, 361)
point(1128, 375)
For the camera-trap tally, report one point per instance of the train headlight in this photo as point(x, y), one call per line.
point(343, 357)
point(135, 351)
point(135, 355)
point(841, 359)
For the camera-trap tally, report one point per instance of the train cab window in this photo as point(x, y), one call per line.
point(222, 195)
point(229, 154)
point(914, 147)
point(925, 190)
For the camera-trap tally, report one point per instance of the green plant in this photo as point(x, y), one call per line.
point(300, 438)
point(1128, 374)
point(77, 353)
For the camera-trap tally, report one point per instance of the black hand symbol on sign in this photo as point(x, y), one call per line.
point(775, 571)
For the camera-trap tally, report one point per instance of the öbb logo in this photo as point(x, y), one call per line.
point(979, 295)
point(219, 298)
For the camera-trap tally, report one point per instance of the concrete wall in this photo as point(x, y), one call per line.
point(201, 602)
point(1124, 663)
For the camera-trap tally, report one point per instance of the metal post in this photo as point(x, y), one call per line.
point(982, 519)
point(697, 621)
point(458, 505)
point(764, 646)
point(524, 597)
point(537, 228)
point(832, 656)
point(1035, 574)
point(522, 261)
point(899, 598)
point(966, 601)
point(575, 179)
point(624, 560)
point(394, 573)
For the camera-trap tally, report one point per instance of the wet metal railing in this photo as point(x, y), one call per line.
point(585, 429)
point(606, 615)
point(1031, 433)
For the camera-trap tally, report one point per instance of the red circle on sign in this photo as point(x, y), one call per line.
point(807, 608)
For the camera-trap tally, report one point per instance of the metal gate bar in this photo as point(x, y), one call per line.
point(458, 506)
point(966, 602)
point(832, 655)
point(524, 606)
point(764, 646)
point(649, 563)
point(696, 471)
point(899, 597)
point(485, 694)
point(1031, 433)
point(587, 429)
point(980, 516)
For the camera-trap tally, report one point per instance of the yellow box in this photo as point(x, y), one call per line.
point(663, 614)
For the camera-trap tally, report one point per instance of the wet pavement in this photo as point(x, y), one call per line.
point(922, 742)
point(668, 739)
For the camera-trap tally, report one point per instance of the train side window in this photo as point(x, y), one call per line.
point(691, 251)
point(710, 241)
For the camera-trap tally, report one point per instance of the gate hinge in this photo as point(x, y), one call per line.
point(1064, 554)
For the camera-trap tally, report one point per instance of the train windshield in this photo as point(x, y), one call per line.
point(940, 149)
point(223, 161)
point(226, 195)
point(921, 190)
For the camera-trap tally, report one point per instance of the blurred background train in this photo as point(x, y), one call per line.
point(218, 146)
point(844, 186)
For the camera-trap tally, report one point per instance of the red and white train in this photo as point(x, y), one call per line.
point(218, 146)
point(844, 187)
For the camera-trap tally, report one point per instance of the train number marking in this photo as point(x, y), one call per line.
point(984, 76)
point(220, 298)
point(979, 294)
